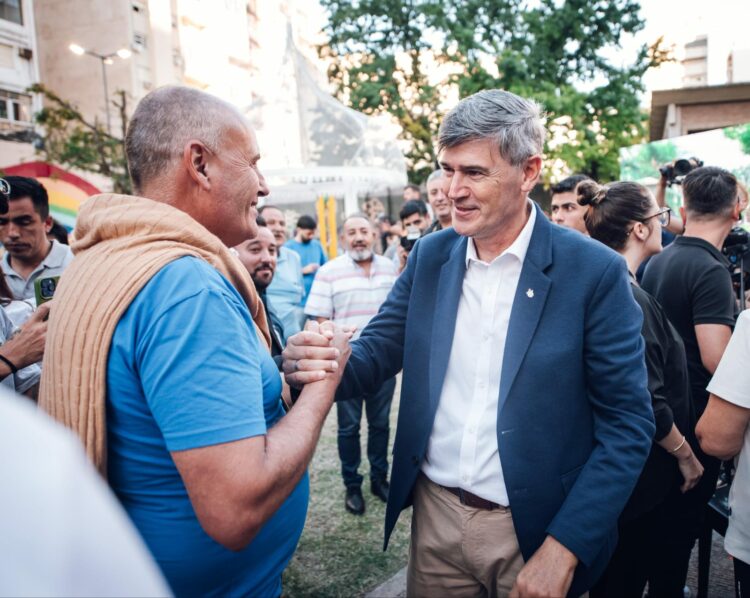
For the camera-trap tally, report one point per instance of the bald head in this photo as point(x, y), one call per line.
point(165, 120)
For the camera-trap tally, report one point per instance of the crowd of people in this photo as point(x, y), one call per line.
point(571, 382)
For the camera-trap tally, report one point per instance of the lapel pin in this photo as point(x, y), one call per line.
point(530, 293)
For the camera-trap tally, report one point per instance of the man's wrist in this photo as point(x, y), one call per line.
point(566, 556)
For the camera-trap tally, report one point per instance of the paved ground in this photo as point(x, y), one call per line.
point(720, 584)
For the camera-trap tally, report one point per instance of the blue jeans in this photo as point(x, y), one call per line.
point(349, 413)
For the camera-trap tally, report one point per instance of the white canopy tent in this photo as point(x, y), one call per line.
point(312, 145)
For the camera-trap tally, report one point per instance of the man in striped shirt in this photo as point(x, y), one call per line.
point(349, 291)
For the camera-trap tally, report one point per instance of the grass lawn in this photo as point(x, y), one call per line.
point(341, 554)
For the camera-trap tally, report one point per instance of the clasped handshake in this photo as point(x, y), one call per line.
point(320, 351)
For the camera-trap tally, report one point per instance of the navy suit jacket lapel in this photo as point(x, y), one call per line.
point(449, 287)
point(528, 304)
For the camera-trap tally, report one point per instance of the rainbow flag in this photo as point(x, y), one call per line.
point(66, 191)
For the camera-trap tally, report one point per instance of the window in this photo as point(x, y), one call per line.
point(139, 42)
point(10, 10)
point(15, 107)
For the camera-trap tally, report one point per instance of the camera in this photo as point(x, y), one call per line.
point(737, 249)
point(737, 246)
point(412, 236)
point(676, 171)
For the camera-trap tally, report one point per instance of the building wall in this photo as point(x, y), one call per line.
point(103, 26)
point(18, 70)
point(214, 45)
point(702, 117)
point(739, 66)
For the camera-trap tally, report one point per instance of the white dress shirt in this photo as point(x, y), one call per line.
point(462, 450)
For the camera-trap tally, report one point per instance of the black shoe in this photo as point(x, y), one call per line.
point(380, 487)
point(354, 502)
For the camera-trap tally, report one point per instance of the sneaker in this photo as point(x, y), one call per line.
point(380, 487)
point(354, 502)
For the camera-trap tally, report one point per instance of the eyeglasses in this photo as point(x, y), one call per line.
point(664, 215)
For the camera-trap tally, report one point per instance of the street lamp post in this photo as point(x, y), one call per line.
point(106, 59)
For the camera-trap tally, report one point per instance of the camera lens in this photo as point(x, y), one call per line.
point(682, 167)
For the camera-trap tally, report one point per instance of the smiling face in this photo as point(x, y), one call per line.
point(259, 255)
point(357, 237)
point(441, 206)
point(488, 194)
point(236, 184)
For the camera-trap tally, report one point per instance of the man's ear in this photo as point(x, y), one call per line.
point(532, 168)
point(683, 215)
point(195, 160)
point(737, 211)
point(48, 224)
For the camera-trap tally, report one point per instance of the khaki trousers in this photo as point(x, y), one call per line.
point(458, 550)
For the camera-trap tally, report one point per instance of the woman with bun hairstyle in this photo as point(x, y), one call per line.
point(626, 217)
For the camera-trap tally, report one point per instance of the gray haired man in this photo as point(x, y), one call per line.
point(521, 434)
point(439, 202)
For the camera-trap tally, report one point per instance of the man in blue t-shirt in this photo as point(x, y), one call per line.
point(198, 448)
point(309, 250)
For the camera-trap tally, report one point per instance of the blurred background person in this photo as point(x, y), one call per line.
point(384, 223)
point(439, 202)
point(415, 221)
point(564, 207)
point(411, 192)
point(58, 233)
point(723, 432)
point(30, 255)
point(625, 217)
point(287, 289)
point(309, 250)
point(349, 291)
point(393, 240)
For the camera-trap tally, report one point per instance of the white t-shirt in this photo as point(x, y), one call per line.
point(62, 532)
point(731, 382)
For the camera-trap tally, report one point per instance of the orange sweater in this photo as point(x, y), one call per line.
point(120, 243)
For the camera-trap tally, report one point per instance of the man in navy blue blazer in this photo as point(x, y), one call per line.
point(525, 417)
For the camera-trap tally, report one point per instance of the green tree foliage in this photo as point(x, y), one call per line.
point(72, 141)
point(639, 162)
point(385, 54)
point(741, 134)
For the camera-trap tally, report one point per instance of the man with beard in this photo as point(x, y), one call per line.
point(259, 255)
point(349, 291)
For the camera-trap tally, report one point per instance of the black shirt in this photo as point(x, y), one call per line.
point(670, 397)
point(275, 329)
point(691, 280)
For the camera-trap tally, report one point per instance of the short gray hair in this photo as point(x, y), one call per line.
point(436, 174)
point(515, 123)
point(165, 120)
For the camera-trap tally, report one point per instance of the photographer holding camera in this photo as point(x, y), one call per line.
point(673, 174)
point(415, 219)
point(691, 280)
